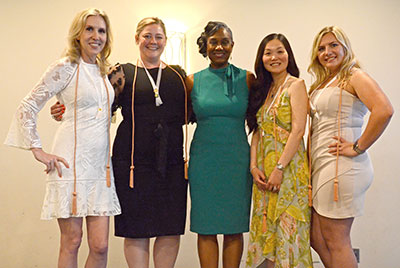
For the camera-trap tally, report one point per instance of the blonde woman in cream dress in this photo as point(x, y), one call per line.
point(341, 169)
point(82, 73)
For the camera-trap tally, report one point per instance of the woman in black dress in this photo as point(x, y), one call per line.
point(156, 204)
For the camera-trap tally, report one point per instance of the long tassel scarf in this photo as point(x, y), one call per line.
point(309, 158)
point(336, 179)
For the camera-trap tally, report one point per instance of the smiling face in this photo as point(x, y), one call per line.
point(93, 38)
point(219, 48)
point(330, 53)
point(151, 41)
point(275, 58)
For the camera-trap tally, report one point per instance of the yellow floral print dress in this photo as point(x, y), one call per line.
point(283, 236)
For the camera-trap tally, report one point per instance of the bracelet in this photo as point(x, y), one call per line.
point(253, 167)
point(357, 149)
point(280, 166)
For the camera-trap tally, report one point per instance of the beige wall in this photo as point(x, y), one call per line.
point(34, 34)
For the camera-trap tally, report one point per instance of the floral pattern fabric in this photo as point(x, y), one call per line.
point(286, 238)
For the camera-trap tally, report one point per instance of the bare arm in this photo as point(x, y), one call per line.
point(258, 175)
point(250, 79)
point(299, 104)
point(189, 81)
point(369, 92)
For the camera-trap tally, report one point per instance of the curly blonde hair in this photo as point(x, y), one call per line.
point(321, 73)
point(73, 51)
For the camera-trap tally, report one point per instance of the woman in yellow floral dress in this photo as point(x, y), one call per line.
point(277, 112)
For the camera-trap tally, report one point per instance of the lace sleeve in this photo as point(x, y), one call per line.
point(116, 76)
point(23, 132)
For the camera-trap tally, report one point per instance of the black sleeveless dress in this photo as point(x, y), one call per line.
point(156, 206)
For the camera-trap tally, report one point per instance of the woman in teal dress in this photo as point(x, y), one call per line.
point(219, 178)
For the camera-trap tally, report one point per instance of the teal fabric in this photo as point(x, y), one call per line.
point(219, 178)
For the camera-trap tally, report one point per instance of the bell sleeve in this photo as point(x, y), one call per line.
point(23, 130)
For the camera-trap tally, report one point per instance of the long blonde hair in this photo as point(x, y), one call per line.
point(321, 73)
point(73, 51)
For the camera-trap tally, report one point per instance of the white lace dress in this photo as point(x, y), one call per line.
point(94, 198)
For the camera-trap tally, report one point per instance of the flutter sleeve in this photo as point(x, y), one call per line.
point(23, 131)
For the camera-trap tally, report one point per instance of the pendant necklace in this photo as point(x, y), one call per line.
point(276, 94)
point(156, 86)
point(98, 90)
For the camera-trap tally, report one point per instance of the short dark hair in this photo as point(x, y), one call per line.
point(263, 81)
point(211, 28)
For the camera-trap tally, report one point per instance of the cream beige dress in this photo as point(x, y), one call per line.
point(354, 173)
point(94, 198)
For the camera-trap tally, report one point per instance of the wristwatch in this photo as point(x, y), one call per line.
point(280, 166)
point(357, 149)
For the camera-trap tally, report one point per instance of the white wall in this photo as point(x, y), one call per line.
point(34, 35)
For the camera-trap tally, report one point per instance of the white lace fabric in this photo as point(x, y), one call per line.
point(92, 139)
point(23, 132)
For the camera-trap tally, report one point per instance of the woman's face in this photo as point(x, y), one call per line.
point(330, 53)
point(275, 57)
point(93, 38)
point(219, 48)
point(151, 42)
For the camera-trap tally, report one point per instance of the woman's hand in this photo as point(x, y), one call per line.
point(57, 110)
point(275, 180)
point(259, 178)
point(50, 160)
point(345, 147)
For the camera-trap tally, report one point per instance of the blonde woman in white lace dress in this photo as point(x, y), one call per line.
point(80, 180)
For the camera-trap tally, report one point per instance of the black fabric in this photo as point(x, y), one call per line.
point(156, 206)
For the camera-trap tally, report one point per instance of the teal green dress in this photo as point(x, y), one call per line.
point(219, 177)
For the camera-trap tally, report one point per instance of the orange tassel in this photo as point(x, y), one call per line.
point(186, 170)
point(108, 176)
point(309, 195)
point(131, 177)
point(336, 190)
point(74, 205)
point(264, 222)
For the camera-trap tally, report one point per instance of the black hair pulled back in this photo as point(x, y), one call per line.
point(211, 28)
